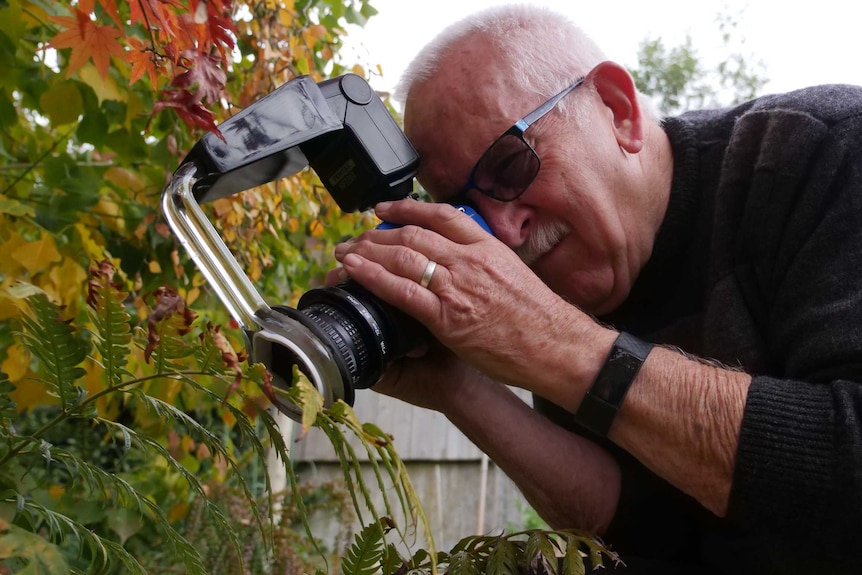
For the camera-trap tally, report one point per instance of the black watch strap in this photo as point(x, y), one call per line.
point(602, 402)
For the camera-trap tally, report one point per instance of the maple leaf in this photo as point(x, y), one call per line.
point(189, 108)
point(144, 60)
point(205, 75)
point(215, 28)
point(110, 7)
point(88, 41)
point(149, 13)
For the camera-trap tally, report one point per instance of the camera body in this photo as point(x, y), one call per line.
point(341, 337)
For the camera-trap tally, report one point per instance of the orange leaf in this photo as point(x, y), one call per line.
point(88, 41)
point(110, 7)
point(144, 61)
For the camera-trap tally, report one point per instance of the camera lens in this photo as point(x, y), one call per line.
point(363, 334)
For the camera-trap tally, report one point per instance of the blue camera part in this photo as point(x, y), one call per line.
point(473, 214)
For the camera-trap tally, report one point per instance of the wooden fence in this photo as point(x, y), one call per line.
point(461, 491)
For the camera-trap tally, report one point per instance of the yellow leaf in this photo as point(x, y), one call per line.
point(8, 264)
point(56, 491)
point(253, 271)
point(17, 363)
point(126, 179)
point(66, 281)
point(110, 213)
point(154, 267)
point(37, 256)
point(178, 511)
point(228, 418)
point(92, 250)
point(15, 208)
point(62, 103)
point(135, 107)
point(286, 16)
point(193, 295)
point(29, 392)
point(104, 87)
point(358, 70)
point(315, 228)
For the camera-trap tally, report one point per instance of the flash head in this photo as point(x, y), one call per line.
point(339, 127)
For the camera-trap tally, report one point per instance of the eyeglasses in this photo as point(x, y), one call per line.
point(510, 164)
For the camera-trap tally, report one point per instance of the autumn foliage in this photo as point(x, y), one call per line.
point(100, 101)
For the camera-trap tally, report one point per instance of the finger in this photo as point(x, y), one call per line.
point(444, 219)
point(396, 289)
point(399, 260)
point(335, 276)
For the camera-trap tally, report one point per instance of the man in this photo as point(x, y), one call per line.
point(682, 297)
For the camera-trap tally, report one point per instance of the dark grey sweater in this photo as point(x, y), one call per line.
point(758, 264)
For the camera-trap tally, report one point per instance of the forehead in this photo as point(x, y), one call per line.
point(452, 117)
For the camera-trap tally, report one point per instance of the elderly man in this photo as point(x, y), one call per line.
point(683, 297)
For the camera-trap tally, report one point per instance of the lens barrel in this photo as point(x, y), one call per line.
point(364, 334)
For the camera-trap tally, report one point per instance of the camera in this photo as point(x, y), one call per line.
point(341, 337)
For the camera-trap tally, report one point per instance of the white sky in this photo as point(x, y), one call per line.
point(800, 43)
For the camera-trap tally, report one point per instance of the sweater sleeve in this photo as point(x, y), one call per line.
point(798, 477)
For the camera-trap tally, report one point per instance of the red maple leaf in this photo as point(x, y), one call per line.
point(189, 108)
point(88, 41)
point(212, 19)
point(205, 79)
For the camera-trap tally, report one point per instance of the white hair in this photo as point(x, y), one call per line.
point(543, 50)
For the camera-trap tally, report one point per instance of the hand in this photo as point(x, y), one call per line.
point(482, 301)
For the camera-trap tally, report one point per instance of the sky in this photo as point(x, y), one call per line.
point(799, 43)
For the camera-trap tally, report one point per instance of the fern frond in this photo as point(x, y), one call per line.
point(542, 548)
point(573, 560)
point(112, 322)
point(366, 553)
point(170, 320)
point(503, 558)
point(58, 348)
point(462, 563)
point(169, 412)
point(351, 469)
point(59, 526)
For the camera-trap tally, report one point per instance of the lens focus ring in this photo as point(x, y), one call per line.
point(356, 358)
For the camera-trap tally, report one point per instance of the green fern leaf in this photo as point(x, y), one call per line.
point(57, 527)
point(111, 320)
point(311, 399)
point(366, 553)
point(503, 559)
point(541, 548)
point(573, 560)
point(169, 412)
point(462, 563)
point(111, 486)
point(58, 348)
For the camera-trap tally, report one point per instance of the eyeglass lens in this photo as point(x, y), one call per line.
point(507, 168)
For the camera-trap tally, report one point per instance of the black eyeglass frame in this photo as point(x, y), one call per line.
point(517, 130)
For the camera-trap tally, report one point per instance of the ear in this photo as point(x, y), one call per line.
point(616, 88)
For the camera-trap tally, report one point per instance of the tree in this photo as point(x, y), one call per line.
point(677, 79)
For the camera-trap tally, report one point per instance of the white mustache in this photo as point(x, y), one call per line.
point(541, 240)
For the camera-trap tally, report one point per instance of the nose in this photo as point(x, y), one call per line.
point(510, 221)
